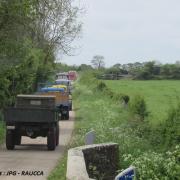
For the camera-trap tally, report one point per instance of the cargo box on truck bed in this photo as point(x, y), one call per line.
point(35, 101)
point(17, 115)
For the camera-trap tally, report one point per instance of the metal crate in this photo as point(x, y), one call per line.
point(35, 101)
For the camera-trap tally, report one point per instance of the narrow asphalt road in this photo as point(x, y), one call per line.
point(33, 155)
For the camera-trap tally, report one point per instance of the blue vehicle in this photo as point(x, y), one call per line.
point(61, 99)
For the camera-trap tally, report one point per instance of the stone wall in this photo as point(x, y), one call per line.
point(99, 161)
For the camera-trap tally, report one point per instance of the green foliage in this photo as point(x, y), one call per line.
point(21, 57)
point(140, 143)
point(84, 67)
point(138, 107)
point(152, 165)
point(4, 93)
point(161, 127)
point(171, 127)
point(27, 44)
point(143, 71)
point(59, 173)
point(125, 98)
point(60, 67)
point(101, 86)
point(2, 128)
point(23, 77)
point(159, 95)
point(110, 93)
point(89, 78)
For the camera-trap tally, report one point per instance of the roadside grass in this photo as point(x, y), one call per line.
point(111, 121)
point(97, 112)
point(59, 173)
point(160, 95)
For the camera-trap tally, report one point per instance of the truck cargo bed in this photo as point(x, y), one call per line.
point(30, 115)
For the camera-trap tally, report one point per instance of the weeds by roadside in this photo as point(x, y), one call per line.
point(117, 118)
point(129, 127)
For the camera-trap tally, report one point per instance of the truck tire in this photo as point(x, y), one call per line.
point(62, 116)
point(10, 142)
point(57, 134)
point(51, 139)
point(67, 116)
point(17, 139)
point(70, 106)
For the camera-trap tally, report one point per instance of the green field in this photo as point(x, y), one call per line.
point(140, 144)
point(159, 95)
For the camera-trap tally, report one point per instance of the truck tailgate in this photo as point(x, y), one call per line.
point(30, 115)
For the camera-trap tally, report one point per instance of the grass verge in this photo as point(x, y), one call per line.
point(59, 173)
point(97, 110)
point(159, 95)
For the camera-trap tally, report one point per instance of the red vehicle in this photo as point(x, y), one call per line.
point(72, 75)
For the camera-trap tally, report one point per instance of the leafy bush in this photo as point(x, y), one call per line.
point(4, 93)
point(171, 126)
point(88, 78)
point(101, 86)
point(138, 107)
point(108, 92)
point(125, 98)
point(139, 141)
point(151, 165)
point(117, 97)
point(2, 128)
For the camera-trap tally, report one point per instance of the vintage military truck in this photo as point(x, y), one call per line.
point(65, 90)
point(61, 100)
point(32, 116)
point(62, 86)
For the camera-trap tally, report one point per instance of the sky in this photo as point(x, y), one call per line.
point(125, 31)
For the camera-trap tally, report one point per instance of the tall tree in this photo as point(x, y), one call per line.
point(98, 61)
point(30, 33)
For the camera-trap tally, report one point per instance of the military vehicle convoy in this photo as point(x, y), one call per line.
point(38, 114)
point(32, 116)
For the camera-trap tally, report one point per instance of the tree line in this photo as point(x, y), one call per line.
point(138, 70)
point(31, 33)
point(146, 70)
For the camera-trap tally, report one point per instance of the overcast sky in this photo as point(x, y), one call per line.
point(126, 31)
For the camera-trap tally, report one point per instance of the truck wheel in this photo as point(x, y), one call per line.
point(57, 134)
point(51, 139)
point(10, 144)
point(67, 116)
point(59, 116)
point(17, 139)
point(62, 117)
point(70, 107)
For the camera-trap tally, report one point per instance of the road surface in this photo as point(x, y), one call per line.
point(33, 157)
